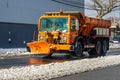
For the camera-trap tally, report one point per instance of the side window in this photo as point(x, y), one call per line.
point(74, 24)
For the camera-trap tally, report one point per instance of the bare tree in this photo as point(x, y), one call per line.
point(103, 7)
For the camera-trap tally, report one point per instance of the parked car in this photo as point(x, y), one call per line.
point(116, 39)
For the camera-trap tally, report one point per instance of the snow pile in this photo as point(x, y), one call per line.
point(52, 70)
point(114, 45)
point(8, 52)
point(12, 50)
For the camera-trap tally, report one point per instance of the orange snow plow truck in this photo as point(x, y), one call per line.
point(73, 32)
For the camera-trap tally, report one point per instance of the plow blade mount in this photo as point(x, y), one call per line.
point(39, 47)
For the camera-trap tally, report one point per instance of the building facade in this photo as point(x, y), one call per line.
point(18, 18)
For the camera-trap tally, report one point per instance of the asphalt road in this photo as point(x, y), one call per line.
point(110, 73)
point(33, 60)
point(38, 60)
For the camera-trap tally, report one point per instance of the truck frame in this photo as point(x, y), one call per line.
point(73, 32)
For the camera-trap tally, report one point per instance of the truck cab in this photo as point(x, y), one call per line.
point(56, 32)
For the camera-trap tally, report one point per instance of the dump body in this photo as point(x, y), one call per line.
point(72, 32)
point(91, 23)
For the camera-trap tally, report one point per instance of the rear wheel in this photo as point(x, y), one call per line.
point(104, 48)
point(97, 50)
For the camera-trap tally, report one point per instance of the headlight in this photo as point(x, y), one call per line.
point(41, 37)
point(64, 38)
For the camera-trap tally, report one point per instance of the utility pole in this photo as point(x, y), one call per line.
point(118, 25)
point(119, 15)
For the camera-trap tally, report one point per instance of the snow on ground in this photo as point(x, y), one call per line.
point(114, 45)
point(9, 52)
point(52, 70)
point(12, 50)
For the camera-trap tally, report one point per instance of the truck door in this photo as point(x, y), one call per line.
point(74, 28)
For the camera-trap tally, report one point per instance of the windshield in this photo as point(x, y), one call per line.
point(57, 24)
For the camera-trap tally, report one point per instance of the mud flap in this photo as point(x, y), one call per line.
point(39, 47)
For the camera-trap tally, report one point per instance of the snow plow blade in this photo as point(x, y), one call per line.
point(39, 47)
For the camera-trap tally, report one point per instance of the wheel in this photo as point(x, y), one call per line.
point(104, 48)
point(98, 48)
point(96, 51)
point(78, 51)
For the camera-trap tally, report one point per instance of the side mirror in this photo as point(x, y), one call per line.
point(73, 27)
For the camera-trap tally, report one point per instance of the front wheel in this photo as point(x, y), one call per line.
point(78, 51)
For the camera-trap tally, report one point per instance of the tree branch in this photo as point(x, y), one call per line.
point(104, 7)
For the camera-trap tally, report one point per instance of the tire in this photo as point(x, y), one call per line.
point(104, 48)
point(97, 50)
point(78, 51)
